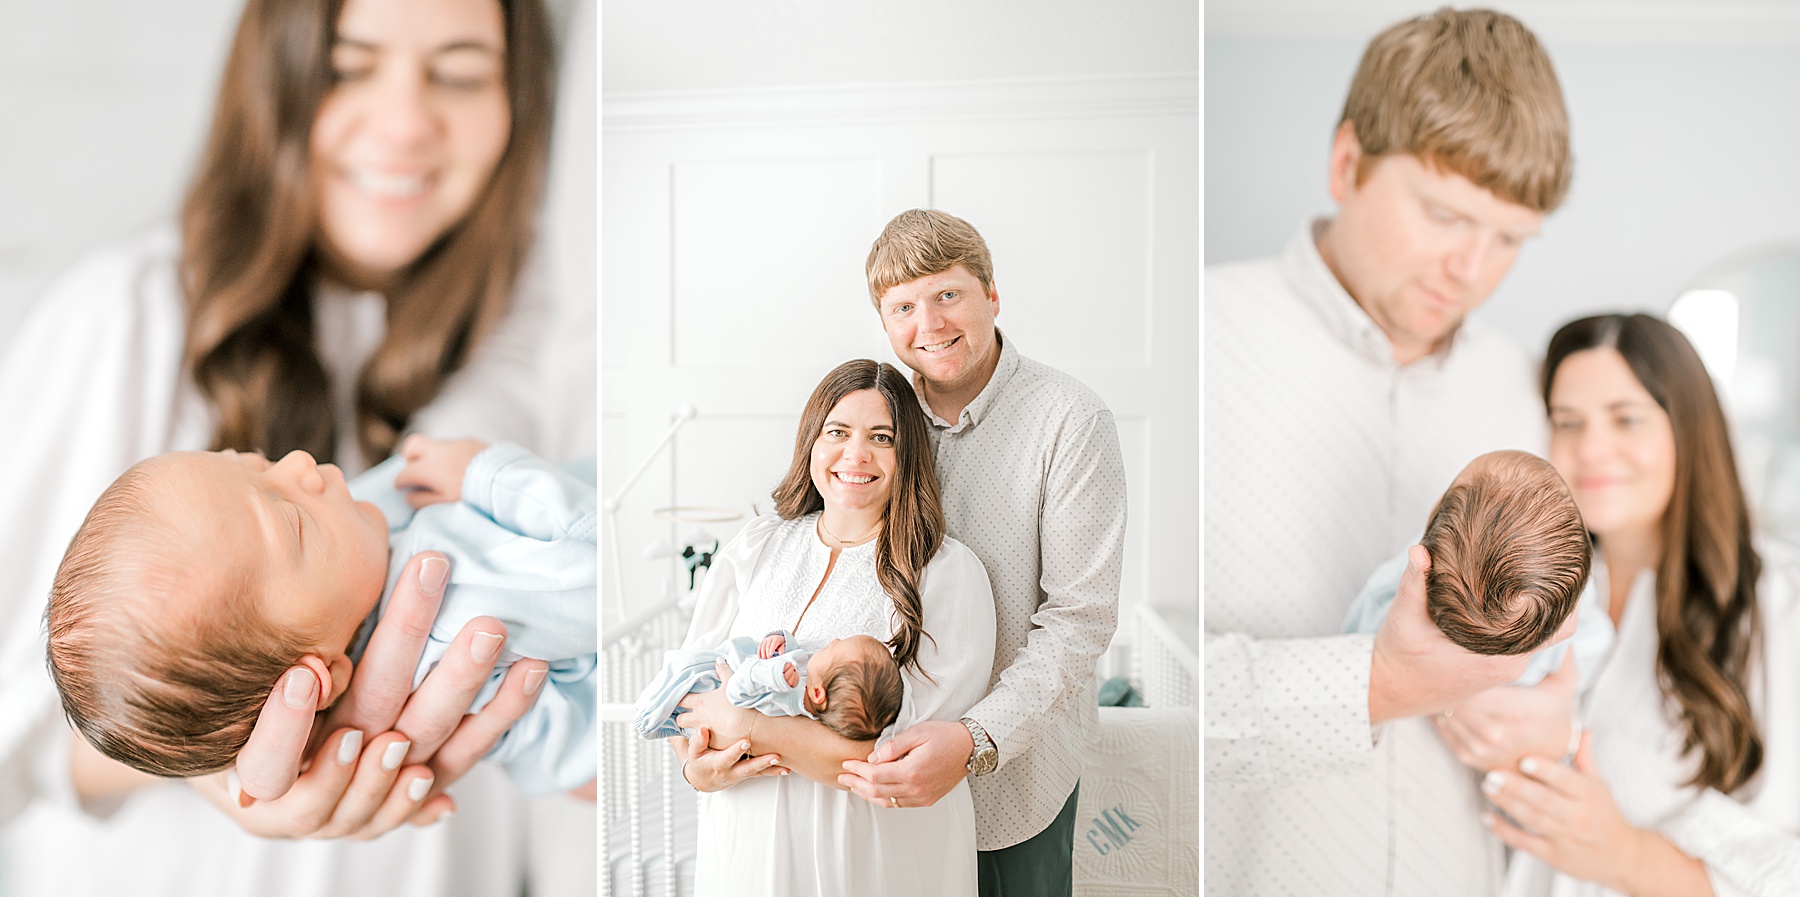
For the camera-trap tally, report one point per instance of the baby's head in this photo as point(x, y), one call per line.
point(853, 686)
point(1509, 555)
point(196, 580)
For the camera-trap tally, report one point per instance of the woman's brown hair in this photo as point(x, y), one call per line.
point(1706, 617)
point(913, 526)
point(249, 265)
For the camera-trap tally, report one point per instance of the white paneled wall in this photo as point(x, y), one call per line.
point(734, 229)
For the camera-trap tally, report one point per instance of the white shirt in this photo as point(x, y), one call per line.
point(790, 836)
point(1033, 481)
point(1323, 459)
point(91, 384)
point(1750, 839)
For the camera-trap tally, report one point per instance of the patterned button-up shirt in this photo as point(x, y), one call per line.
point(1034, 482)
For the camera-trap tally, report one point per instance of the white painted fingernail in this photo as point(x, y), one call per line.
point(416, 791)
point(396, 752)
point(350, 747)
point(432, 573)
point(484, 646)
point(443, 816)
point(297, 690)
point(534, 680)
point(1493, 783)
point(1528, 764)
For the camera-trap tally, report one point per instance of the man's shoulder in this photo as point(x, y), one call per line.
point(1053, 392)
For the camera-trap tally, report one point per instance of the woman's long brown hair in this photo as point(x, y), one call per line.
point(1706, 616)
point(913, 525)
point(249, 265)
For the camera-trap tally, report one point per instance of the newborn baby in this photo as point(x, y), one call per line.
point(1509, 563)
point(199, 578)
point(852, 685)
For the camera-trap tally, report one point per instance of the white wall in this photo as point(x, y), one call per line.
point(735, 223)
point(1684, 116)
point(105, 102)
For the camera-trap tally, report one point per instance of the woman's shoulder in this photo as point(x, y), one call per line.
point(135, 276)
point(955, 558)
point(1778, 589)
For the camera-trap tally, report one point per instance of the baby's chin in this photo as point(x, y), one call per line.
point(372, 514)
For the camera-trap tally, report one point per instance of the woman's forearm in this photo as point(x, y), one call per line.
point(806, 747)
point(1662, 870)
point(98, 777)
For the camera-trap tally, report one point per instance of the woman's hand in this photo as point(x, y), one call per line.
point(1569, 820)
point(712, 711)
point(350, 789)
point(1496, 728)
point(709, 770)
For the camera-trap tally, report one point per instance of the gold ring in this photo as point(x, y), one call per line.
point(894, 802)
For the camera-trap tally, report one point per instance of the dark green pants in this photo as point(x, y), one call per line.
point(1042, 865)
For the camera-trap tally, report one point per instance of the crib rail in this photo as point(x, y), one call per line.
point(630, 655)
point(1163, 668)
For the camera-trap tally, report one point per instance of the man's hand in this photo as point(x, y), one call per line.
point(1497, 728)
point(915, 769)
point(434, 468)
point(770, 646)
point(1415, 670)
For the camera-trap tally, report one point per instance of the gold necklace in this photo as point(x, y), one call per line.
point(846, 543)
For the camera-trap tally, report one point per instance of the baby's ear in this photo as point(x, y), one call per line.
point(334, 677)
point(816, 694)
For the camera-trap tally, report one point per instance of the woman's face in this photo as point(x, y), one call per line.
point(1612, 442)
point(410, 133)
point(853, 456)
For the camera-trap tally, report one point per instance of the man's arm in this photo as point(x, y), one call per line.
point(1081, 552)
point(1294, 708)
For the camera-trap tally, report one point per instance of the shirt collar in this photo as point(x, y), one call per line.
point(984, 400)
point(1312, 280)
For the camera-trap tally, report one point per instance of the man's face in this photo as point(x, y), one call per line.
point(942, 325)
point(1417, 247)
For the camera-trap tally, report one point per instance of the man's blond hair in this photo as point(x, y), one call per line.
point(1470, 91)
point(922, 242)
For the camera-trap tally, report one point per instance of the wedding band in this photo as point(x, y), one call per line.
point(894, 802)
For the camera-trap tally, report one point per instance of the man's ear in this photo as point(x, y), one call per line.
point(994, 298)
point(333, 676)
point(1346, 155)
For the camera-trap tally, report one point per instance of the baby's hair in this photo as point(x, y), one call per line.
point(863, 696)
point(1509, 555)
point(171, 694)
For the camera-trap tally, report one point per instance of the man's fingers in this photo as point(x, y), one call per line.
point(479, 732)
point(270, 760)
point(437, 707)
point(384, 677)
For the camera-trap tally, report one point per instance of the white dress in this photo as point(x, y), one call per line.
point(90, 385)
point(790, 836)
point(1750, 839)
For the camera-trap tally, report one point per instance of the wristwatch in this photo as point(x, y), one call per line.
point(985, 756)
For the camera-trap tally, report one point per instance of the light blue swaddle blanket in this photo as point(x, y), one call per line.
point(756, 683)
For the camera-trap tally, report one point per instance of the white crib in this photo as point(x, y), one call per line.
point(1137, 823)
